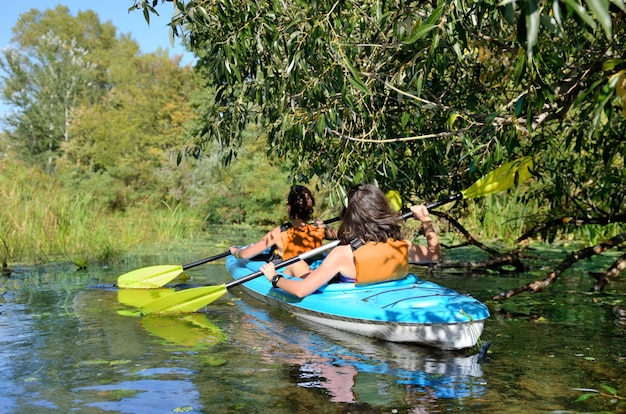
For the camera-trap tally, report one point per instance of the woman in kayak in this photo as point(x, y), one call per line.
point(371, 249)
point(292, 238)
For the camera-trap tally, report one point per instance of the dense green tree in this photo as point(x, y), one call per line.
point(427, 96)
point(124, 146)
point(56, 62)
point(251, 190)
point(422, 96)
point(89, 108)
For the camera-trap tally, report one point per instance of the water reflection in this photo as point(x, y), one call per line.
point(194, 332)
point(152, 394)
point(347, 368)
point(156, 372)
point(64, 348)
point(354, 369)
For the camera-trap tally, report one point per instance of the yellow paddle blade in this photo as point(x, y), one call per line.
point(506, 176)
point(139, 297)
point(394, 199)
point(192, 331)
point(184, 301)
point(149, 277)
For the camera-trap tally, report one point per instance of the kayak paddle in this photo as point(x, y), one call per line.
point(190, 300)
point(157, 276)
point(500, 179)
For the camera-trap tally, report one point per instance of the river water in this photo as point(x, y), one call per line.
point(66, 346)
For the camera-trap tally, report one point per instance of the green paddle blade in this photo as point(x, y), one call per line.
point(184, 301)
point(500, 179)
point(149, 277)
point(139, 297)
point(191, 331)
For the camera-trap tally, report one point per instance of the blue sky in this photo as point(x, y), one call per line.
point(149, 37)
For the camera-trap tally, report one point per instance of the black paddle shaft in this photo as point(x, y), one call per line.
point(206, 260)
point(435, 204)
point(303, 256)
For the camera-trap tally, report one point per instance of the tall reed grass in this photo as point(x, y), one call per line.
point(500, 218)
point(42, 221)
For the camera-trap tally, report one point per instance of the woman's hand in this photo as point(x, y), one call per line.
point(420, 212)
point(269, 270)
point(319, 223)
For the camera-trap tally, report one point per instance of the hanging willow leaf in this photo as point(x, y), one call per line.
point(581, 12)
point(600, 9)
point(421, 32)
point(355, 79)
point(394, 72)
point(532, 27)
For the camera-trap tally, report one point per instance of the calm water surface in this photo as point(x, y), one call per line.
point(64, 348)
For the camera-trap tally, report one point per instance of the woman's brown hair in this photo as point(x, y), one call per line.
point(368, 216)
point(300, 202)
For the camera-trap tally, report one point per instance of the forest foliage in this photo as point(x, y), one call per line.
point(421, 97)
point(424, 97)
point(91, 111)
point(90, 145)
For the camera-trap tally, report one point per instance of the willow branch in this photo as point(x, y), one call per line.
point(604, 278)
point(470, 239)
point(539, 285)
point(402, 139)
point(538, 228)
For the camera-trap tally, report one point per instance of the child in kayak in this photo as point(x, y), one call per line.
point(371, 249)
point(292, 238)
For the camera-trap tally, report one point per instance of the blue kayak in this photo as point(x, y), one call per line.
point(411, 310)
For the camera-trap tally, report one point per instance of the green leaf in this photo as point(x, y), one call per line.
point(583, 96)
point(610, 64)
point(356, 82)
point(435, 16)
point(321, 124)
point(146, 15)
point(581, 12)
point(556, 12)
point(532, 27)
point(584, 397)
point(453, 116)
point(419, 83)
point(599, 117)
point(519, 105)
point(609, 389)
point(600, 9)
point(435, 43)
point(520, 67)
point(490, 117)
point(619, 4)
point(355, 79)
point(422, 31)
point(509, 11)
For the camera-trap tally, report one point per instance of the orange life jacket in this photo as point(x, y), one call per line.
point(381, 261)
point(299, 240)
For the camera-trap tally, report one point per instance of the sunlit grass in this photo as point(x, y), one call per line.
point(500, 218)
point(41, 221)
